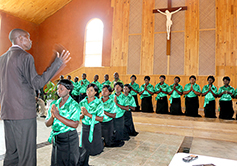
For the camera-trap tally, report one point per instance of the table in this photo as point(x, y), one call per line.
point(178, 160)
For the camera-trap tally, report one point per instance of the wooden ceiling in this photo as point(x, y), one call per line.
point(35, 11)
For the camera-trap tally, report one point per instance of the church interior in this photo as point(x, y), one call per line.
point(130, 38)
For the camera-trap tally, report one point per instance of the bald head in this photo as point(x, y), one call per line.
point(15, 33)
point(21, 38)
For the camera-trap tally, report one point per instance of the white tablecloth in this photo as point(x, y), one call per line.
point(178, 160)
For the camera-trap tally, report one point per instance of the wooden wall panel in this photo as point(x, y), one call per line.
point(120, 33)
point(207, 53)
point(160, 20)
point(147, 37)
point(176, 65)
point(134, 53)
point(135, 17)
point(160, 57)
point(226, 25)
point(207, 14)
point(191, 37)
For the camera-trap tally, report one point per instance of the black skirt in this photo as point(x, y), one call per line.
point(162, 105)
point(192, 105)
point(175, 107)
point(81, 97)
point(210, 109)
point(226, 110)
point(137, 107)
point(129, 129)
point(96, 146)
point(65, 149)
point(75, 97)
point(147, 104)
point(107, 129)
point(118, 132)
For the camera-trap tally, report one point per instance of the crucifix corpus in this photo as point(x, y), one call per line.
point(168, 13)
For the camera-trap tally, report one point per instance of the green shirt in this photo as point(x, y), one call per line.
point(209, 96)
point(76, 88)
point(98, 85)
point(226, 97)
point(145, 93)
point(113, 82)
point(95, 108)
point(70, 110)
point(106, 83)
point(135, 86)
point(82, 88)
point(108, 106)
point(129, 99)
point(121, 101)
point(175, 94)
point(164, 88)
point(191, 94)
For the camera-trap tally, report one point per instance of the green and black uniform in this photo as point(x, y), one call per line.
point(82, 89)
point(135, 86)
point(209, 101)
point(162, 103)
point(226, 107)
point(64, 138)
point(91, 138)
point(191, 100)
point(175, 101)
point(129, 129)
point(146, 98)
point(107, 125)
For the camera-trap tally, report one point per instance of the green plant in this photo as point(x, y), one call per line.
point(51, 92)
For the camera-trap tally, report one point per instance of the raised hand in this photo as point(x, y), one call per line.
point(64, 56)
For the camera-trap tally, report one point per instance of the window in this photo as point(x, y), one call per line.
point(93, 44)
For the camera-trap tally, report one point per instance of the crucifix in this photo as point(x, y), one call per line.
point(168, 13)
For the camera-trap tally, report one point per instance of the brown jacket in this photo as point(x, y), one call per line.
point(18, 81)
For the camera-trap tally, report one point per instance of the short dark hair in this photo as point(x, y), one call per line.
point(94, 86)
point(163, 76)
point(68, 84)
point(226, 78)
point(129, 86)
point(119, 83)
point(133, 76)
point(211, 77)
point(177, 78)
point(147, 77)
point(192, 76)
point(108, 87)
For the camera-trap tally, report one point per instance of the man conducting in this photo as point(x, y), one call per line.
point(18, 81)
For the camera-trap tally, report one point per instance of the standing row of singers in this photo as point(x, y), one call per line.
point(191, 91)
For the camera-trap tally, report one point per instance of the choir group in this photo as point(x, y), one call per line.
point(105, 109)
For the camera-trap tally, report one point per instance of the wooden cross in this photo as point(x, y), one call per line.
point(170, 9)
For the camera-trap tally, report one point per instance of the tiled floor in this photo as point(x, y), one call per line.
point(148, 148)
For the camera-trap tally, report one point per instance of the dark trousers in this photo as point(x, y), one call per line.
point(20, 140)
